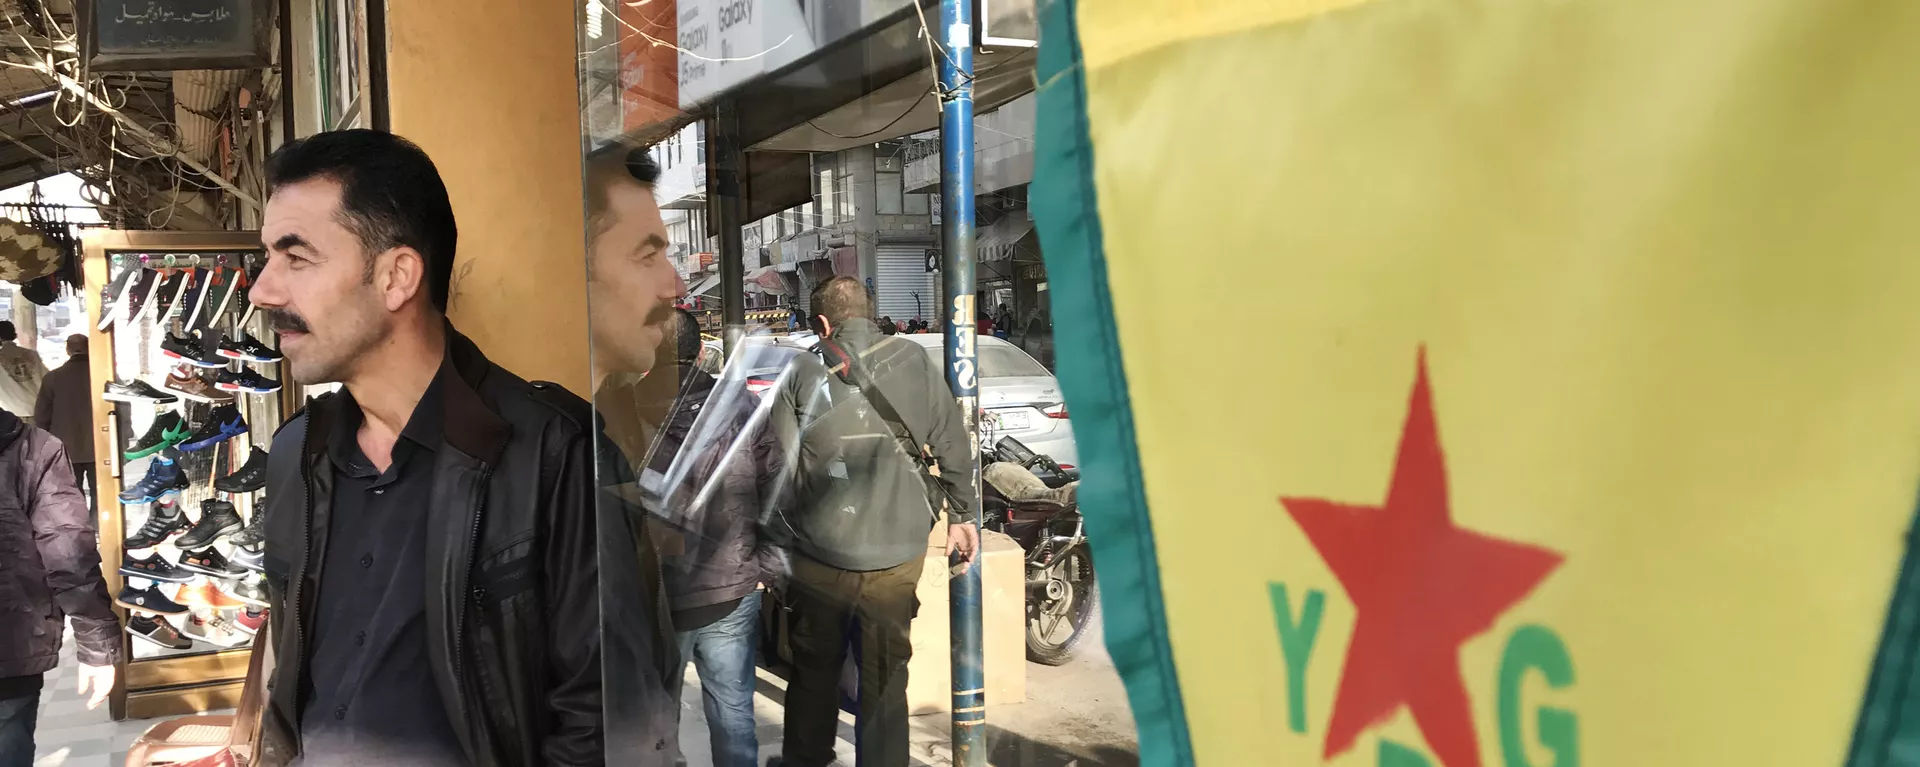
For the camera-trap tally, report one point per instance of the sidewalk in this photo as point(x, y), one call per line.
point(1075, 716)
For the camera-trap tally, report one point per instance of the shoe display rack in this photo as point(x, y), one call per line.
point(188, 398)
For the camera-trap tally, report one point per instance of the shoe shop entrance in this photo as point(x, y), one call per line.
point(188, 389)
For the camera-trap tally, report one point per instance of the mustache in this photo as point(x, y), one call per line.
point(660, 314)
point(283, 321)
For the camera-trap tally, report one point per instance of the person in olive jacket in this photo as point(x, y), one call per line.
point(49, 572)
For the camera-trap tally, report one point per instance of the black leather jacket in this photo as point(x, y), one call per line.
point(513, 568)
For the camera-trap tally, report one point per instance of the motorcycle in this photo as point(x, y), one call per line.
point(1031, 499)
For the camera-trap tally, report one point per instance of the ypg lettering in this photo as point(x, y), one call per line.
point(1421, 588)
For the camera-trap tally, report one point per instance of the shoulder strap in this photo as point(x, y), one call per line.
point(851, 369)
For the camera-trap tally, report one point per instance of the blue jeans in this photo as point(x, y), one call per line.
point(17, 717)
point(723, 654)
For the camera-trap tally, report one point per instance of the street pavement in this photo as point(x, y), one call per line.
point(1075, 715)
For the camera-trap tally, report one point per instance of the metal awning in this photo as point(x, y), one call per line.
point(999, 241)
point(705, 286)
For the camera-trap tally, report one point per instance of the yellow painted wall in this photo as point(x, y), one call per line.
point(490, 92)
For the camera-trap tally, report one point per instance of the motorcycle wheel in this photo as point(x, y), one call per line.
point(1056, 626)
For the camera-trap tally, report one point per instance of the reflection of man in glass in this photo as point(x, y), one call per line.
point(632, 287)
point(430, 538)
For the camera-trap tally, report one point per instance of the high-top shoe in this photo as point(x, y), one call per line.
point(224, 423)
point(164, 477)
point(164, 520)
point(218, 519)
point(153, 568)
point(254, 534)
point(251, 475)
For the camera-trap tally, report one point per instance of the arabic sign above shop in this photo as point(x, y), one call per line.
point(158, 35)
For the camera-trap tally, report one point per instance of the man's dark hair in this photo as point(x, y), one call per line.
point(840, 299)
point(7, 332)
point(686, 336)
point(616, 162)
point(391, 195)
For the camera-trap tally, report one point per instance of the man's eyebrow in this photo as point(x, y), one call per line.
point(289, 242)
point(655, 241)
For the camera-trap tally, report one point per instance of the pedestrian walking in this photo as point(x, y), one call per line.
point(51, 572)
point(21, 371)
point(430, 528)
point(65, 408)
point(874, 442)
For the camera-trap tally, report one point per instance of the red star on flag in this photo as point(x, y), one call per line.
point(1421, 586)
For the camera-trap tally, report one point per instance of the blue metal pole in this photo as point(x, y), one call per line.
point(955, 37)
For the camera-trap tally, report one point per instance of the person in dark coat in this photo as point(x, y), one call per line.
point(65, 408)
point(49, 572)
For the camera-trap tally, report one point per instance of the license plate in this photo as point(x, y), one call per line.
point(1012, 421)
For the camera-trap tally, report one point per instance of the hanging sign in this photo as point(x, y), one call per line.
point(158, 35)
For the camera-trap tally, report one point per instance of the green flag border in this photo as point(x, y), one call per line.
point(1888, 727)
point(1091, 373)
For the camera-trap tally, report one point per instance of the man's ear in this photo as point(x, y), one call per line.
point(401, 276)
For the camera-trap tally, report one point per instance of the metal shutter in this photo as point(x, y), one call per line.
point(903, 288)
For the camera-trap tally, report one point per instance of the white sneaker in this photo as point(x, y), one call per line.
point(214, 630)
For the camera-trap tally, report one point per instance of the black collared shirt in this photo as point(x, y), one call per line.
point(370, 693)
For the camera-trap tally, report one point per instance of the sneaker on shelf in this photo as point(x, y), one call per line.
point(113, 297)
point(150, 600)
point(209, 561)
point(146, 286)
point(137, 391)
point(157, 632)
point(245, 381)
point(205, 595)
point(164, 520)
point(218, 519)
point(246, 590)
point(250, 620)
point(251, 475)
point(254, 534)
point(173, 284)
point(190, 300)
point(187, 383)
point(247, 349)
point(214, 630)
point(164, 477)
point(168, 430)
point(189, 350)
point(247, 558)
point(224, 423)
point(153, 568)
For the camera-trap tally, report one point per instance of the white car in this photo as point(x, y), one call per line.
point(1018, 393)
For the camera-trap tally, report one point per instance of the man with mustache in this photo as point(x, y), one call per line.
point(431, 529)
point(652, 399)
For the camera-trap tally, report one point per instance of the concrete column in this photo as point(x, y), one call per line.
point(866, 224)
point(492, 94)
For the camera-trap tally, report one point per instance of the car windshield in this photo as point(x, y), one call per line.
point(996, 361)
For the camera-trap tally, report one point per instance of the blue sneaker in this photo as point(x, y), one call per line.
point(223, 424)
point(163, 478)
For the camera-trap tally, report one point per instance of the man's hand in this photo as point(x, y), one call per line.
point(963, 539)
point(100, 678)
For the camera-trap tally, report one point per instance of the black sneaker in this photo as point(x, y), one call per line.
point(137, 391)
point(164, 521)
point(188, 349)
point(223, 424)
point(157, 632)
point(163, 477)
point(217, 520)
point(210, 562)
point(245, 381)
point(149, 600)
point(113, 297)
point(153, 568)
point(191, 300)
point(248, 558)
point(247, 349)
point(227, 286)
point(146, 285)
point(168, 430)
point(251, 476)
point(172, 286)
